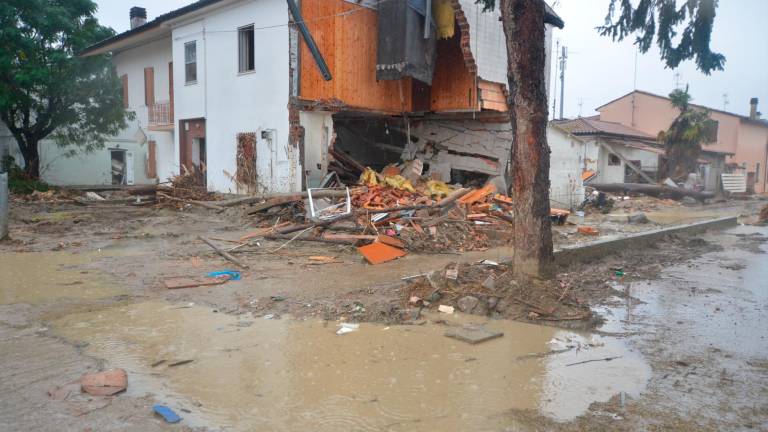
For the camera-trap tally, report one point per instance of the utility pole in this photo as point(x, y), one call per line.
point(725, 102)
point(563, 59)
point(554, 91)
point(677, 80)
point(4, 194)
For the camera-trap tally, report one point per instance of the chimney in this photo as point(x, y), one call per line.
point(138, 16)
point(753, 114)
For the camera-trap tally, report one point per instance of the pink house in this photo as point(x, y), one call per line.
point(746, 137)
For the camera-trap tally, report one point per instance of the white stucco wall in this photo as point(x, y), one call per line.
point(231, 102)
point(616, 173)
point(566, 164)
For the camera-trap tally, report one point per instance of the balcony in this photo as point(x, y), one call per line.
point(161, 116)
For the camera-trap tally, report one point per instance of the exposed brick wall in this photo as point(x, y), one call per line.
point(463, 24)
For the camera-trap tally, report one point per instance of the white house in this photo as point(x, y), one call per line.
point(616, 153)
point(256, 95)
point(199, 79)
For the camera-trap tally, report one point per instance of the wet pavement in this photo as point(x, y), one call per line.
point(688, 350)
point(282, 374)
point(46, 276)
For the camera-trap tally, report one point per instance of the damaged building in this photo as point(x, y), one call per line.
point(257, 96)
point(417, 85)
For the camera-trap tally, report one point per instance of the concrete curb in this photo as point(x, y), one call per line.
point(600, 248)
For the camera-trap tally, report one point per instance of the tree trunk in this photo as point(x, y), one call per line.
point(29, 150)
point(523, 22)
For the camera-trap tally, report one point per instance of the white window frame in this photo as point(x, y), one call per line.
point(246, 62)
point(187, 62)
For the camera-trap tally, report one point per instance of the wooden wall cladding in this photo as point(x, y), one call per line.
point(492, 96)
point(453, 85)
point(348, 44)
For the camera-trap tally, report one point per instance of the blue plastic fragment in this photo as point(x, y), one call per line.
point(168, 414)
point(233, 274)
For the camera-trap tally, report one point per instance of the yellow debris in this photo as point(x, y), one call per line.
point(368, 177)
point(442, 10)
point(438, 188)
point(399, 182)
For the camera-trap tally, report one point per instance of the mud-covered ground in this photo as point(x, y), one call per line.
point(692, 307)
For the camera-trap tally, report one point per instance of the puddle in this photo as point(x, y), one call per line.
point(46, 276)
point(257, 374)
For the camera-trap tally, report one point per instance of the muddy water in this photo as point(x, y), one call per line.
point(47, 276)
point(253, 373)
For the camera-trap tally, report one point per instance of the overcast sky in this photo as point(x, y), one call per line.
point(599, 70)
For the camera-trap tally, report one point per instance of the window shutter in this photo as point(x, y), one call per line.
point(149, 86)
point(151, 159)
point(170, 90)
point(124, 80)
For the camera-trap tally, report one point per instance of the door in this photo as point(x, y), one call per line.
point(129, 179)
point(318, 132)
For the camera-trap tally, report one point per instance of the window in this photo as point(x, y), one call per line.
point(710, 130)
point(613, 160)
point(245, 49)
point(190, 62)
point(124, 80)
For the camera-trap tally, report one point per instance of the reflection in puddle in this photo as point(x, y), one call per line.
point(46, 276)
point(250, 374)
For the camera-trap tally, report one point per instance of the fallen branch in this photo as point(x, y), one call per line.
point(223, 253)
point(292, 239)
point(293, 228)
point(594, 360)
point(193, 202)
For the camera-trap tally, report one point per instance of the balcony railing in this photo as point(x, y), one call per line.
point(161, 115)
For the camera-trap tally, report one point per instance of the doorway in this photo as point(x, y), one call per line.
point(193, 149)
point(117, 158)
point(121, 166)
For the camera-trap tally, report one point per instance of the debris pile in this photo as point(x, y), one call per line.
point(183, 190)
point(763, 217)
point(386, 215)
point(488, 288)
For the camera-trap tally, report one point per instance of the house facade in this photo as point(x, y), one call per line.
point(616, 153)
point(743, 138)
point(255, 95)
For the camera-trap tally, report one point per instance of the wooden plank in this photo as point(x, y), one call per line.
point(496, 106)
point(188, 282)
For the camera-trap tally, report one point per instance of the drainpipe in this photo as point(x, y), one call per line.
point(205, 77)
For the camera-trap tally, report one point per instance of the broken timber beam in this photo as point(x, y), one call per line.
point(282, 199)
point(223, 253)
point(193, 202)
point(649, 189)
